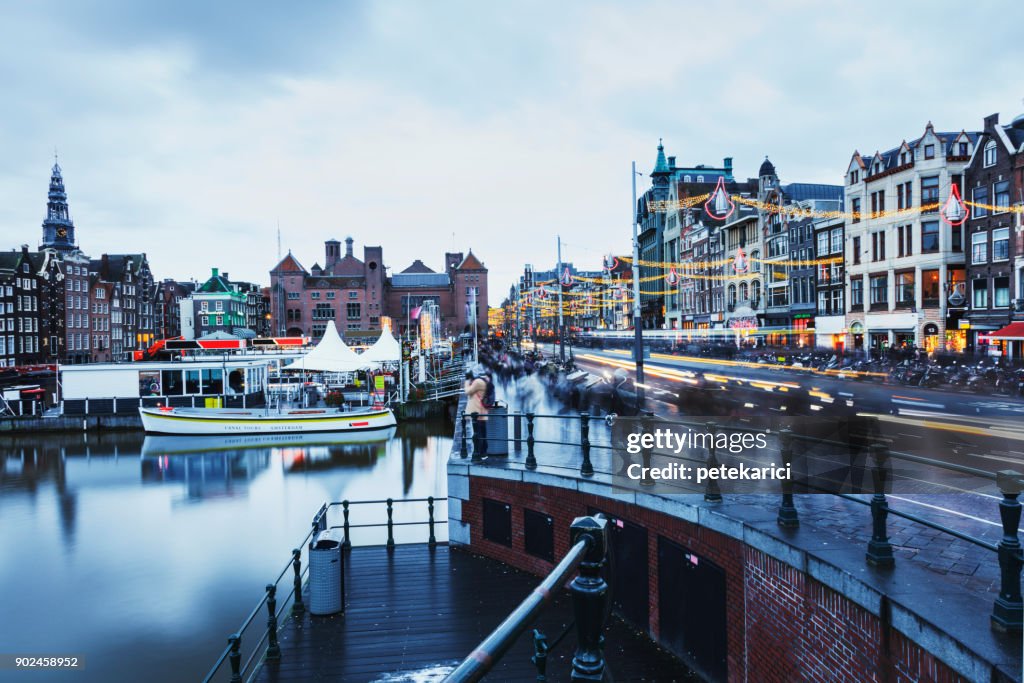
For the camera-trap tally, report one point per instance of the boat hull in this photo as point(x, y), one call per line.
point(214, 421)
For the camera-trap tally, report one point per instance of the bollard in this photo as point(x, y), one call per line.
point(787, 510)
point(712, 492)
point(531, 460)
point(587, 468)
point(879, 549)
point(235, 657)
point(391, 524)
point(465, 434)
point(589, 599)
point(297, 606)
point(645, 454)
point(273, 649)
point(540, 655)
point(347, 543)
point(1008, 612)
point(431, 541)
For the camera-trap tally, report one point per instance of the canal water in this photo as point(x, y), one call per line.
point(143, 554)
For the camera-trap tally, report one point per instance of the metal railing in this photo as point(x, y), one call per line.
point(232, 653)
point(1008, 609)
point(590, 597)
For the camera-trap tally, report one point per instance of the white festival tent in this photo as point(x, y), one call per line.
point(331, 355)
point(384, 350)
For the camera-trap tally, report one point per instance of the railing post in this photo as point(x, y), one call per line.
point(1008, 612)
point(297, 606)
point(587, 468)
point(347, 543)
point(712, 492)
point(391, 524)
point(787, 510)
point(879, 549)
point(531, 459)
point(464, 419)
point(589, 597)
point(540, 655)
point(431, 541)
point(273, 649)
point(235, 657)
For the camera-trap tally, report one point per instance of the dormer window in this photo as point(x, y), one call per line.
point(963, 149)
point(854, 177)
point(686, 178)
point(878, 167)
point(700, 179)
point(990, 154)
point(929, 151)
point(903, 158)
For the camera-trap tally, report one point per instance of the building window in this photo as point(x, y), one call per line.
point(878, 246)
point(1001, 244)
point(822, 243)
point(981, 202)
point(700, 179)
point(330, 295)
point(293, 295)
point(857, 292)
point(353, 295)
point(856, 251)
point(930, 194)
point(979, 247)
point(929, 237)
point(930, 287)
point(905, 288)
point(980, 290)
point(929, 151)
point(220, 306)
point(963, 149)
point(1002, 196)
point(837, 240)
point(314, 295)
point(855, 209)
point(854, 176)
point(905, 241)
point(1001, 293)
point(879, 289)
point(755, 294)
point(990, 154)
point(220, 320)
point(353, 311)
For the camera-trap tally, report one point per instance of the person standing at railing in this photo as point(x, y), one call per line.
point(476, 387)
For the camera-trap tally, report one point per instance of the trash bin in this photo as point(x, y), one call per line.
point(497, 430)
point(326, 591)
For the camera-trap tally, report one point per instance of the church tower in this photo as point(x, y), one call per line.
point(58, 228)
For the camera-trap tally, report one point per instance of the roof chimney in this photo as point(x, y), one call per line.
point(213, 272)
point(671, 163)
point(348, 246)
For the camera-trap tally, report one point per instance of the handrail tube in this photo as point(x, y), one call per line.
point(486, 655)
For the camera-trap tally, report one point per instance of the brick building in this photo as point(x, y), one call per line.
point(356, 293)
point(994, 183)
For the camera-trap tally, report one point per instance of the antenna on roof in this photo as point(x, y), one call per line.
point(279, 239)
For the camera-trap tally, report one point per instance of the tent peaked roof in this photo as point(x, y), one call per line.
point(331, 354)
point(384, 350)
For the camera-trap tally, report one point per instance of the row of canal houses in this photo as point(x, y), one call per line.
point(873, 263)
point(58, 305)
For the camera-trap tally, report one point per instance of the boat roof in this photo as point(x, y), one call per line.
point(188, 363)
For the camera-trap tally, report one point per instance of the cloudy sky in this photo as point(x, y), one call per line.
point(188, 130)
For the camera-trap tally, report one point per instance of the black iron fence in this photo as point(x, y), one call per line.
point(590, 598)
point(1008, 610)
point(295, 573)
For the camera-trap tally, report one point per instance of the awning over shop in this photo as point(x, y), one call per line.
point(1012, 332)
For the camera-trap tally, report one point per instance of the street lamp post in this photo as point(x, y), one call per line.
point(561, 324)
point(638, 338)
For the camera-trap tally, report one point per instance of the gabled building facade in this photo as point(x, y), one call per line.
point(995, 268)
point(905, 264)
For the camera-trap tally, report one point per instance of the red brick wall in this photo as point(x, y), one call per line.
point(782, 625)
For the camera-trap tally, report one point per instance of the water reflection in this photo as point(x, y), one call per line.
point(146, 552)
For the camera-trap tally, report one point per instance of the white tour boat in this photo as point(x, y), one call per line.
point(209, 421)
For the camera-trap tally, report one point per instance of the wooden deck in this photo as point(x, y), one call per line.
point(414, 613)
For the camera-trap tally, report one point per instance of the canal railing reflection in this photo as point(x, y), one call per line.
point(233, 653)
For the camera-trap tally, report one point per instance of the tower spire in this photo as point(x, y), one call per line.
point(661, 164)
point(58, 228)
